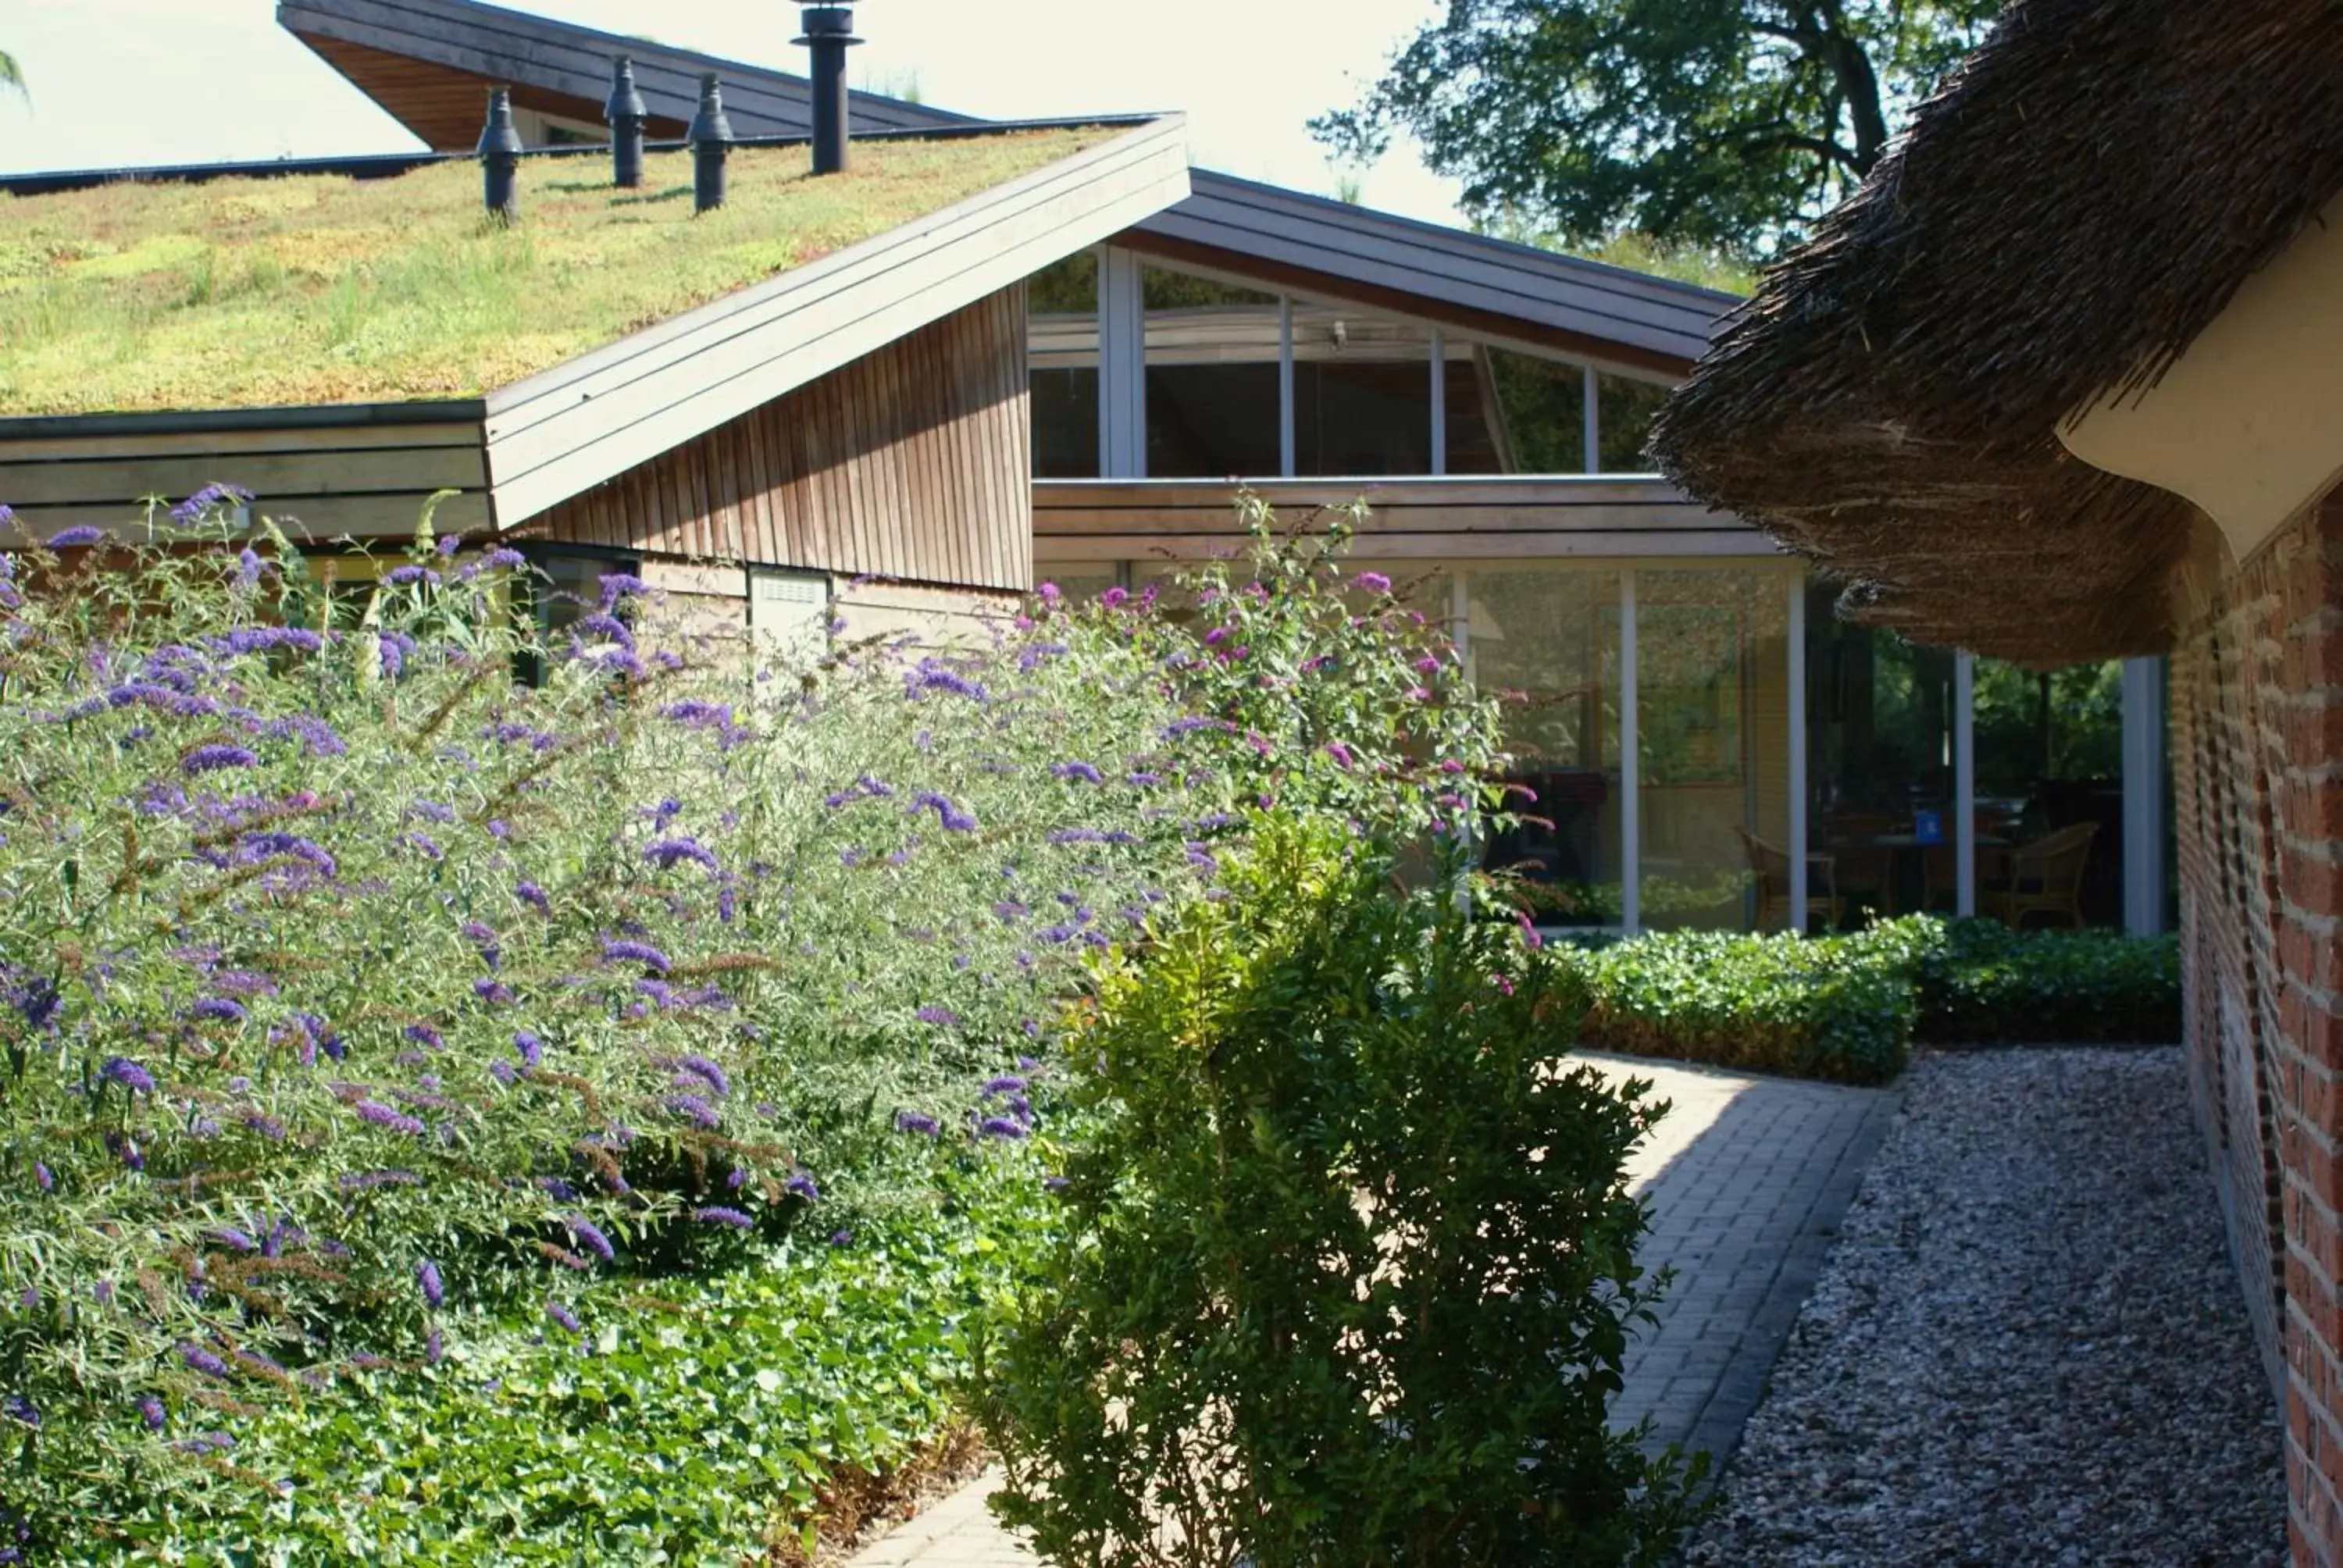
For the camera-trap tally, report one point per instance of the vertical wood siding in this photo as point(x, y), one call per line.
point(912, 463)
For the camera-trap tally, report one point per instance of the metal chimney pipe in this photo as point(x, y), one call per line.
point(625, 113)
point(499, 152)
point(829, 32)
point(712, 142)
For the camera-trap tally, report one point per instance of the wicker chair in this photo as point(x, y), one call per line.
point(1864, 874)
point(2043, 878)
point(1771, 868)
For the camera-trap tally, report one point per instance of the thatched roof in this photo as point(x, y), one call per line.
point(2078, 200)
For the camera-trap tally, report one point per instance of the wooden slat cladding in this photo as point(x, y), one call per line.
point(443, 106)
point(910, 463)
point(365, 480)
point(1480, 519)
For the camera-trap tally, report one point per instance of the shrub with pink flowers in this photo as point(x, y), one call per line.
point(448, 1117)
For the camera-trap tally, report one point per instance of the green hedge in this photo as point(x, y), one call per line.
point(1848, 1008)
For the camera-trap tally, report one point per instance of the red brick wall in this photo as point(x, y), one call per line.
point(2257, 739)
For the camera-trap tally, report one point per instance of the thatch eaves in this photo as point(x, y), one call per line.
point(2065, 214)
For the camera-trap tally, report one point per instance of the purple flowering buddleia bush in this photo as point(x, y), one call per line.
point(393, 1049)
point(1316, 689)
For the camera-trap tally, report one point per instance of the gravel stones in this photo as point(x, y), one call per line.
point(2027, 1346)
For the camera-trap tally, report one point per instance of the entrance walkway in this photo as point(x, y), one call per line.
point(1747, 1178)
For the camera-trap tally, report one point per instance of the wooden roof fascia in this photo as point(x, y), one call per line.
point(562, 431)
point(574, 61)
point(192, 421)
point(1502, 331)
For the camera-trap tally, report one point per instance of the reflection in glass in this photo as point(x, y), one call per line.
point(1547, 642)
point(2050, 761)
point(1712, 727)
point(1062, 352)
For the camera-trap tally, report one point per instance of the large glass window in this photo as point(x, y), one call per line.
point(1547, 642)
point(1879, 721)
point(2049, 782)
point(1212, 377)
point(1061, 314)
point(1712, 720)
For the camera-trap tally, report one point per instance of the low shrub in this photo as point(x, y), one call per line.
point(1848, 1008)
point(1983, 983)
point(1348, 1270)
point(1829, 1007)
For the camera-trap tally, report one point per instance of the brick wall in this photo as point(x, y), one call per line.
point(2257, 739)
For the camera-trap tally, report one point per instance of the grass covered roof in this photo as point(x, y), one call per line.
point(2069, 210)
point(307, 290)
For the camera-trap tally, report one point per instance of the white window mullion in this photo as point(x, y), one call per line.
point(1591, 423)
point(1631, 815)
point(1122, 366)
point(1964, 844)
point(1439, 403)
point(1797, 650)
point(1285, 452)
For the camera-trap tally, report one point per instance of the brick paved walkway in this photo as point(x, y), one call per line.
point(1747, 1178)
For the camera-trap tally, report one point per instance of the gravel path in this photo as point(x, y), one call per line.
point(2027, 1348)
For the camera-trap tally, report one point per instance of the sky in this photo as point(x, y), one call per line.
point(129, 82)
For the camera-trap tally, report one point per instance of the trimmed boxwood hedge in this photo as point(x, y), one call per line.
point(1848, 1008)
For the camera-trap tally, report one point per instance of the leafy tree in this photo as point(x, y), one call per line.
point(1723, 122)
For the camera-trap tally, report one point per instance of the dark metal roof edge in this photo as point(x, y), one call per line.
point(194, 421)
point(390, 165)
point(528, 22)
point(1600, 274)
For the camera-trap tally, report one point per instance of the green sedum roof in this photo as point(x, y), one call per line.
point(316, 289)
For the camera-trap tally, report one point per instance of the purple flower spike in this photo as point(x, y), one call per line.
point(1000, 1127)
point(383, 1116)
point(204, 1362)
point(1007, 1083)
point(535, 897)
point(212, 759)
point(218, 1009)
point(42, 1178)
point(1372, 582)
point(230, 1236)
point(121, 1070)
point(80, 536)
point(426, 1279)
point(912, 1121)
point(938, 1015)
point(150, 1412)
point(531, 1049)
point(802, 1185)
point(841, 1238)
point(708, 1072)
point(634, 953)
point(716, 1214)
point(667, 853)
point(565, 1317)
point(590, 1236)
point(693, 1109)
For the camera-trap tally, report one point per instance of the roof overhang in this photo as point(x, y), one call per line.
point(2069, 218)
point(2247, 423)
